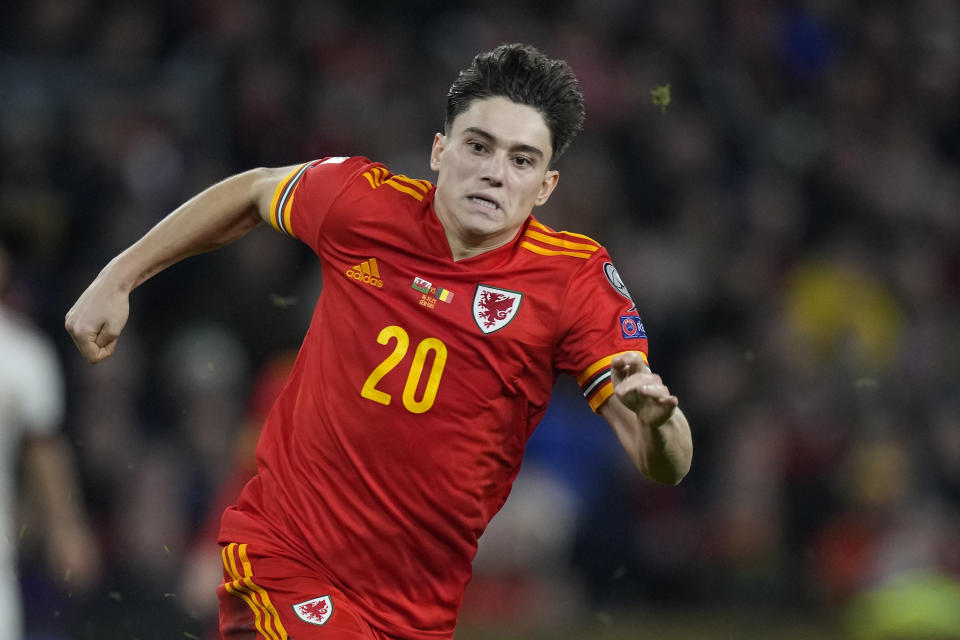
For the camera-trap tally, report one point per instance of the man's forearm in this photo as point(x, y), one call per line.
point(667, 450)
point(217, 216)
point(663, 453)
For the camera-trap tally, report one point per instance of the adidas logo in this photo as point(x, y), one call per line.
point(366, 272)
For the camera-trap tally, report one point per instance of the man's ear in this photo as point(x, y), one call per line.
point(550, 180)
point(439, 141)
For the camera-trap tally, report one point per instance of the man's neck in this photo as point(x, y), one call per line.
point(464, 244)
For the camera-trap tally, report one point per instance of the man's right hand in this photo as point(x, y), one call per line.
point(97, 317)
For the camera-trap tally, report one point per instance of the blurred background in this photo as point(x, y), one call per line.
point(788, 224)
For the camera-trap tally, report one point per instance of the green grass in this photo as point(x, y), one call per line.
point(672, 625)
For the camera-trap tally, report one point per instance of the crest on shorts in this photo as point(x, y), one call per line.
point(316, 611)
point(495, 308)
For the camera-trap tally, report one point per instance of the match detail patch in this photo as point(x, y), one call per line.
point(431, 294)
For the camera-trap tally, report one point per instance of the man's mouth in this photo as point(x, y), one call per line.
point(486, 203)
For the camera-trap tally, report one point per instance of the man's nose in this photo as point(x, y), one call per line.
point(495, 168)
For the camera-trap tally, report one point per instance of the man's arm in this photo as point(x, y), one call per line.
point(73, 553)
point(647, 421)
point(217, 216)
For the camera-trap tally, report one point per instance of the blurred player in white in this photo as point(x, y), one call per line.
point(31, 410)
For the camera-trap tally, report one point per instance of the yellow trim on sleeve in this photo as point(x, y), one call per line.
point(600, 364)
point(601, 396)
point(277, 193)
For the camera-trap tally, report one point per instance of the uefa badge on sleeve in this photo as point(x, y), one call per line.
point(316, 611)
point(631, 327)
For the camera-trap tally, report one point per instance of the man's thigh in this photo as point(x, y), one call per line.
point(268, 598)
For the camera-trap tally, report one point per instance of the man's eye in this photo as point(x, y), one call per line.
point(476, 146)
point(520, 160)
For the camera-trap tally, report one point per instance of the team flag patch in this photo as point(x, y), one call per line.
point(632, 327)
point(431, 294)
point(495, 308)
point(316, 611)
point(421, 285)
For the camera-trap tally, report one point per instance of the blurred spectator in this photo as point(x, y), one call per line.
point(31, 416)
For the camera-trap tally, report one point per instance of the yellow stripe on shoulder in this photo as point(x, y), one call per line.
point(535, 248)
point(378, 176)
point(559, 242)
point(375, 176)
point(422, 185)
point(402, 187)
point(542, 227)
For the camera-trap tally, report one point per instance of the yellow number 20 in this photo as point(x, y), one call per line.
point(413, 405)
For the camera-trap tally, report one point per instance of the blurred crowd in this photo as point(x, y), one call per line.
point(788, 223)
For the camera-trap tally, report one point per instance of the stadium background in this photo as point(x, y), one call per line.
point(788, 224)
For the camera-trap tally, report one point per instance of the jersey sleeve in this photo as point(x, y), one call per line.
point(598, 320)
point(303, 198)
point(41, 391)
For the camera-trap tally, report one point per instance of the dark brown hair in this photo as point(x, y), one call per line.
point(524, 75)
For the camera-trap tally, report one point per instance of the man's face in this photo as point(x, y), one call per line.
point(492, 172)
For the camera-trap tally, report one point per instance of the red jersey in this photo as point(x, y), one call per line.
point(419, 381)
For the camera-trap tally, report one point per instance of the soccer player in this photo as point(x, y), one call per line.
point(446, 313)
point(31, 412)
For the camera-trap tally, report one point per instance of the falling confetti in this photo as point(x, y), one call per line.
point(661, 97)
point(278, 300)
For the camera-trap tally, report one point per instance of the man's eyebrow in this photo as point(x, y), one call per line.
point(489, 137)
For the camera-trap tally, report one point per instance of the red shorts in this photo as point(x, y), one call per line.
point(270, 598)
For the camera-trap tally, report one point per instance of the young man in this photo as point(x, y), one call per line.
point(445, 315)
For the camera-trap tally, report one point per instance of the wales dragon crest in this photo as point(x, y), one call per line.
point(495, 308)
